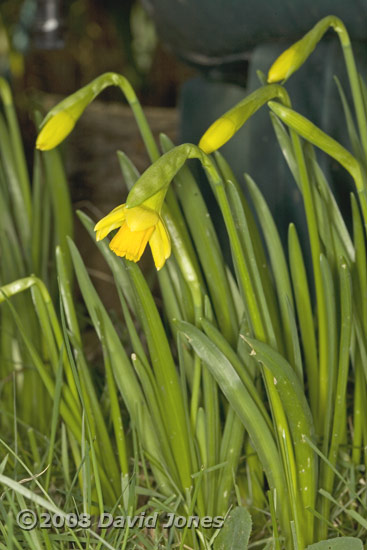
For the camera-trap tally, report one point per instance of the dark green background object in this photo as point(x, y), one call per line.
point(212, 32)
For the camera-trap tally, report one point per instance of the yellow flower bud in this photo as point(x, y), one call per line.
point(224, 128)
point(285, 64)
point(292, 58)
point(61, 120)
point(55, 131)
point(217, 135)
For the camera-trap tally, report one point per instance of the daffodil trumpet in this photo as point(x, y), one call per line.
point(137, 227)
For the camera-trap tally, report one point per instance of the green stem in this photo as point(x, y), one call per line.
point(353, 80)
point(128, 91)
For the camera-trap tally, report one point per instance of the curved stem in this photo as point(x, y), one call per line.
point(350, 63)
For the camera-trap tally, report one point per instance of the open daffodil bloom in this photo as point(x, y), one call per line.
point(138, 226)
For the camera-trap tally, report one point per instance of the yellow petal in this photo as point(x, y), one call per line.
point(113, 220)
point(55, 131)
point(165, 238)
point(130, 244)
point(140, 218)
point(160, 245)
point(217, 135)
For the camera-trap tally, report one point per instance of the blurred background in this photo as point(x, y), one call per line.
point(56, 46)
point(53, 47)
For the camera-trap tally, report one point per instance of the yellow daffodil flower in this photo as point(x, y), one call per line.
point(138, 226)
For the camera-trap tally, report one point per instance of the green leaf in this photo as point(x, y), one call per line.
point(328, 379)
point(353, 135)
point(241, 367)
point(16, 143)
point(306, 129)
point(128, 169)
point(298, 415)
point(305, 314)
point(60, 197)
point(285, 144)
point(339, 229)
point(236, 531)
point(278, 263)
point(242, 402)
point(361, 263)
point(340, 543)
point(251, 259)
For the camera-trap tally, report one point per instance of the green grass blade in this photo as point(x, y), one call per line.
point(286, 146)
point(360, 262)
point(248, 249)
point(329, 380)
point(278, 262)
point(230, 452)
point(151, 393)
point(339, 401)
point(338, 225)
point(305, 315)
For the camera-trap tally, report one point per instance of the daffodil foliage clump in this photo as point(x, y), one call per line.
point(246, 387)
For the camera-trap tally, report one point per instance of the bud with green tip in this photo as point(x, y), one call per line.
point(224, 128)
point(61, 120)
point(292, 58)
